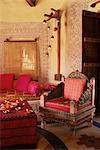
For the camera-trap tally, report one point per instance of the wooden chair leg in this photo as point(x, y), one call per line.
point(73, 131)
point(43, 123)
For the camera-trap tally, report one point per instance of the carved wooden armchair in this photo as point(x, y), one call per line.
point(76, 107)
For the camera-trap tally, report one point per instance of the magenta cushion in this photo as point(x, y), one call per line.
point(34, 88)
point(48, 86)
point(6, 81)
point(22, 83)
point(74, 88)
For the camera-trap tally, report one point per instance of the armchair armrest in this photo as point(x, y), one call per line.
point(73, 106)
point(92, 82)
point(42, 97)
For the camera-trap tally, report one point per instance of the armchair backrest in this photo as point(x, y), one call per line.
point(73, 88)
point(78, 87)
point(78, 75)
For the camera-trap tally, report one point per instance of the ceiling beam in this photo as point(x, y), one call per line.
point(32, 3)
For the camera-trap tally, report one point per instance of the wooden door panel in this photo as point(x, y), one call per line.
point(91, 50)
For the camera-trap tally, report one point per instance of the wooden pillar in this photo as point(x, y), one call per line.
point(58, 76)
point(58, 46)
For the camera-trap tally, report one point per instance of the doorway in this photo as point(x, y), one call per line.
point(91, 50)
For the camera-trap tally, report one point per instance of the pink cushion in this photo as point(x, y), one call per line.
point(74, 88)
point(34, 88)
point(64, 105)
point(59, 104)
point(22, 82)
point(48, 86)
point(6, 81)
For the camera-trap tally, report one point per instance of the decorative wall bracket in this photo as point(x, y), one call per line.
point(54, 14)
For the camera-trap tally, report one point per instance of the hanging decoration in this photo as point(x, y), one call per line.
point(57, 16)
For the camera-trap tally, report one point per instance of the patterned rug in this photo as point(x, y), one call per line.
point(85, 139)
point(89, 141)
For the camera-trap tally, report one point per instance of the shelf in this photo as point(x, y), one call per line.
point(93, 40)
point(91, 64)
point(21, 39)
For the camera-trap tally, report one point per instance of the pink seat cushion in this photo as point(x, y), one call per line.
point(64, 105)
point(6, 81)
point(59, 104)
point(22, 83)
point(74, 88)
point(34, 88)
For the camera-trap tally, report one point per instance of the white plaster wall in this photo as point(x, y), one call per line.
point(73, 33)
point(20, 11)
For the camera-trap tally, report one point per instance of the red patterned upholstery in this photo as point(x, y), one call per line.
point(63, 104)
point(59, 103)
point(74, 88)
point(17, 127)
